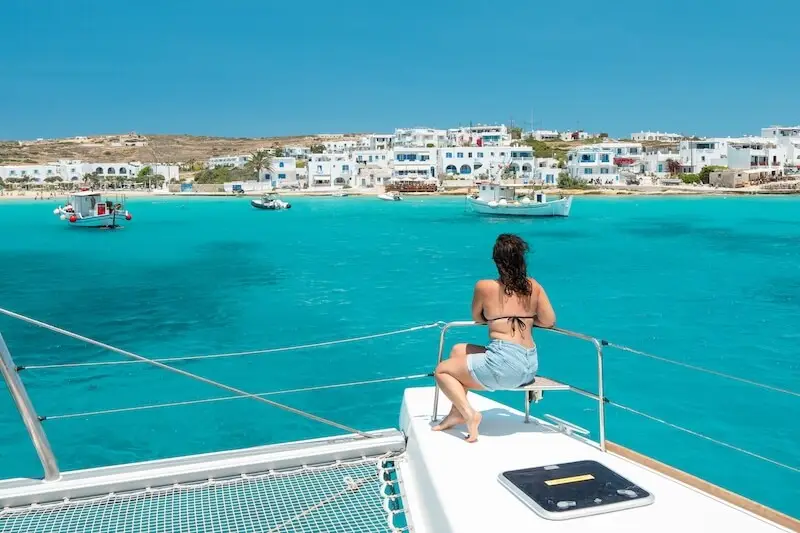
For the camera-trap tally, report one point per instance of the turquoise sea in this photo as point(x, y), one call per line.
point(713, 282)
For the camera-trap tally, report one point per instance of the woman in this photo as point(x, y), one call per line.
point(510, 305)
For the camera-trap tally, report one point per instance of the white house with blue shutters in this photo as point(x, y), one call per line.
point(329, 171)
point(281, 173)
point(593, 163)
point(412, 163)
point(485, 161)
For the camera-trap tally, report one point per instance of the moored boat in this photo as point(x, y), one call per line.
point(270, 202)
point(90, 210)
point(499, 199)
point(390, 196)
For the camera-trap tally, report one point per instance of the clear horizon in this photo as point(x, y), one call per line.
point(249, 69)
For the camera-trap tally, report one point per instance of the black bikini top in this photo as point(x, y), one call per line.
point(515, 321)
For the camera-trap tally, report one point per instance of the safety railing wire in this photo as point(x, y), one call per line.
point(229, 388)
point(85, 414)
point(235, 354)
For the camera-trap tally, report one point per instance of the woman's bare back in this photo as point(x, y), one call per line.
point(511, 318)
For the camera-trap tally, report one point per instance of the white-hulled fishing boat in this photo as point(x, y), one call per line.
point(498, 199)
point(90, 210)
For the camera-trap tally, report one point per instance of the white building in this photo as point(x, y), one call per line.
point(593, 163)
point(419, 137)
point(75, 170)
point(544, 135)
point(479, 135)
point(488, 161)
point(546, 175)
point(327, 171)
point(656, 163)
point(340, 146)
point(231, 161)
point(300, 152)
point(789, 139)
point(578, 135)
point(696, 154)
point(281, 173)
point(376, 141)
point(414, 163)
point(755, 152)
point(376, 158)
point(656, 136)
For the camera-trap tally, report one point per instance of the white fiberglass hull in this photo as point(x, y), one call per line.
point(554, 208)
point(389, 198)
point(95, 221)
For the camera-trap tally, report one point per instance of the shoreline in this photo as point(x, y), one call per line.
point(461, 192)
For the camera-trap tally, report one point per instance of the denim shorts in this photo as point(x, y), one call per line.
point(504, 365)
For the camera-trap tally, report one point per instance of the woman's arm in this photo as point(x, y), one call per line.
point(477, 304)
point(545, 316)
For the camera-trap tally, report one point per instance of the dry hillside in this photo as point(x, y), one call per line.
point(158, 148)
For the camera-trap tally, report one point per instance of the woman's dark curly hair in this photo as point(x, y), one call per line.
point(509, 256)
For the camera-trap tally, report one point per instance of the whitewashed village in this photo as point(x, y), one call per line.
point(428, 160)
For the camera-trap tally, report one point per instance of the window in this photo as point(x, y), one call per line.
point(604, 158)
point(587, 170)
point(603, 171)
point(702, 158)
point(280, 165)
point(345, 168)
point(460, 154)
point(35, 171)
point(469, 154)
point(480, 154)
point(502, 154)
point(281, 176)
point(449, 154)
point(319, 169)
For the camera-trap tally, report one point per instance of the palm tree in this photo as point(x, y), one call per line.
point(145, 175)
point(91, 179)
point(259, 160)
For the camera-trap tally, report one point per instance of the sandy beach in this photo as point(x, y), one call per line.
point(10, 196)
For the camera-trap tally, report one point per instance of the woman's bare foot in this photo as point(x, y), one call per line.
point(473, 420)
point(452, 419)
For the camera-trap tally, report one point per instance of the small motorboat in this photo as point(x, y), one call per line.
point(86, 209)
point(390, 196)
point(339, 195)
point(271, 202)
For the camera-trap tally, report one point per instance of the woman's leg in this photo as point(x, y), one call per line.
point(454, 379)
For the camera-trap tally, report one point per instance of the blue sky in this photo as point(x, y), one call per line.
point(262, 67)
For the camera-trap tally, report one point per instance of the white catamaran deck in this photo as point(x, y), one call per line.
point(452, 486)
